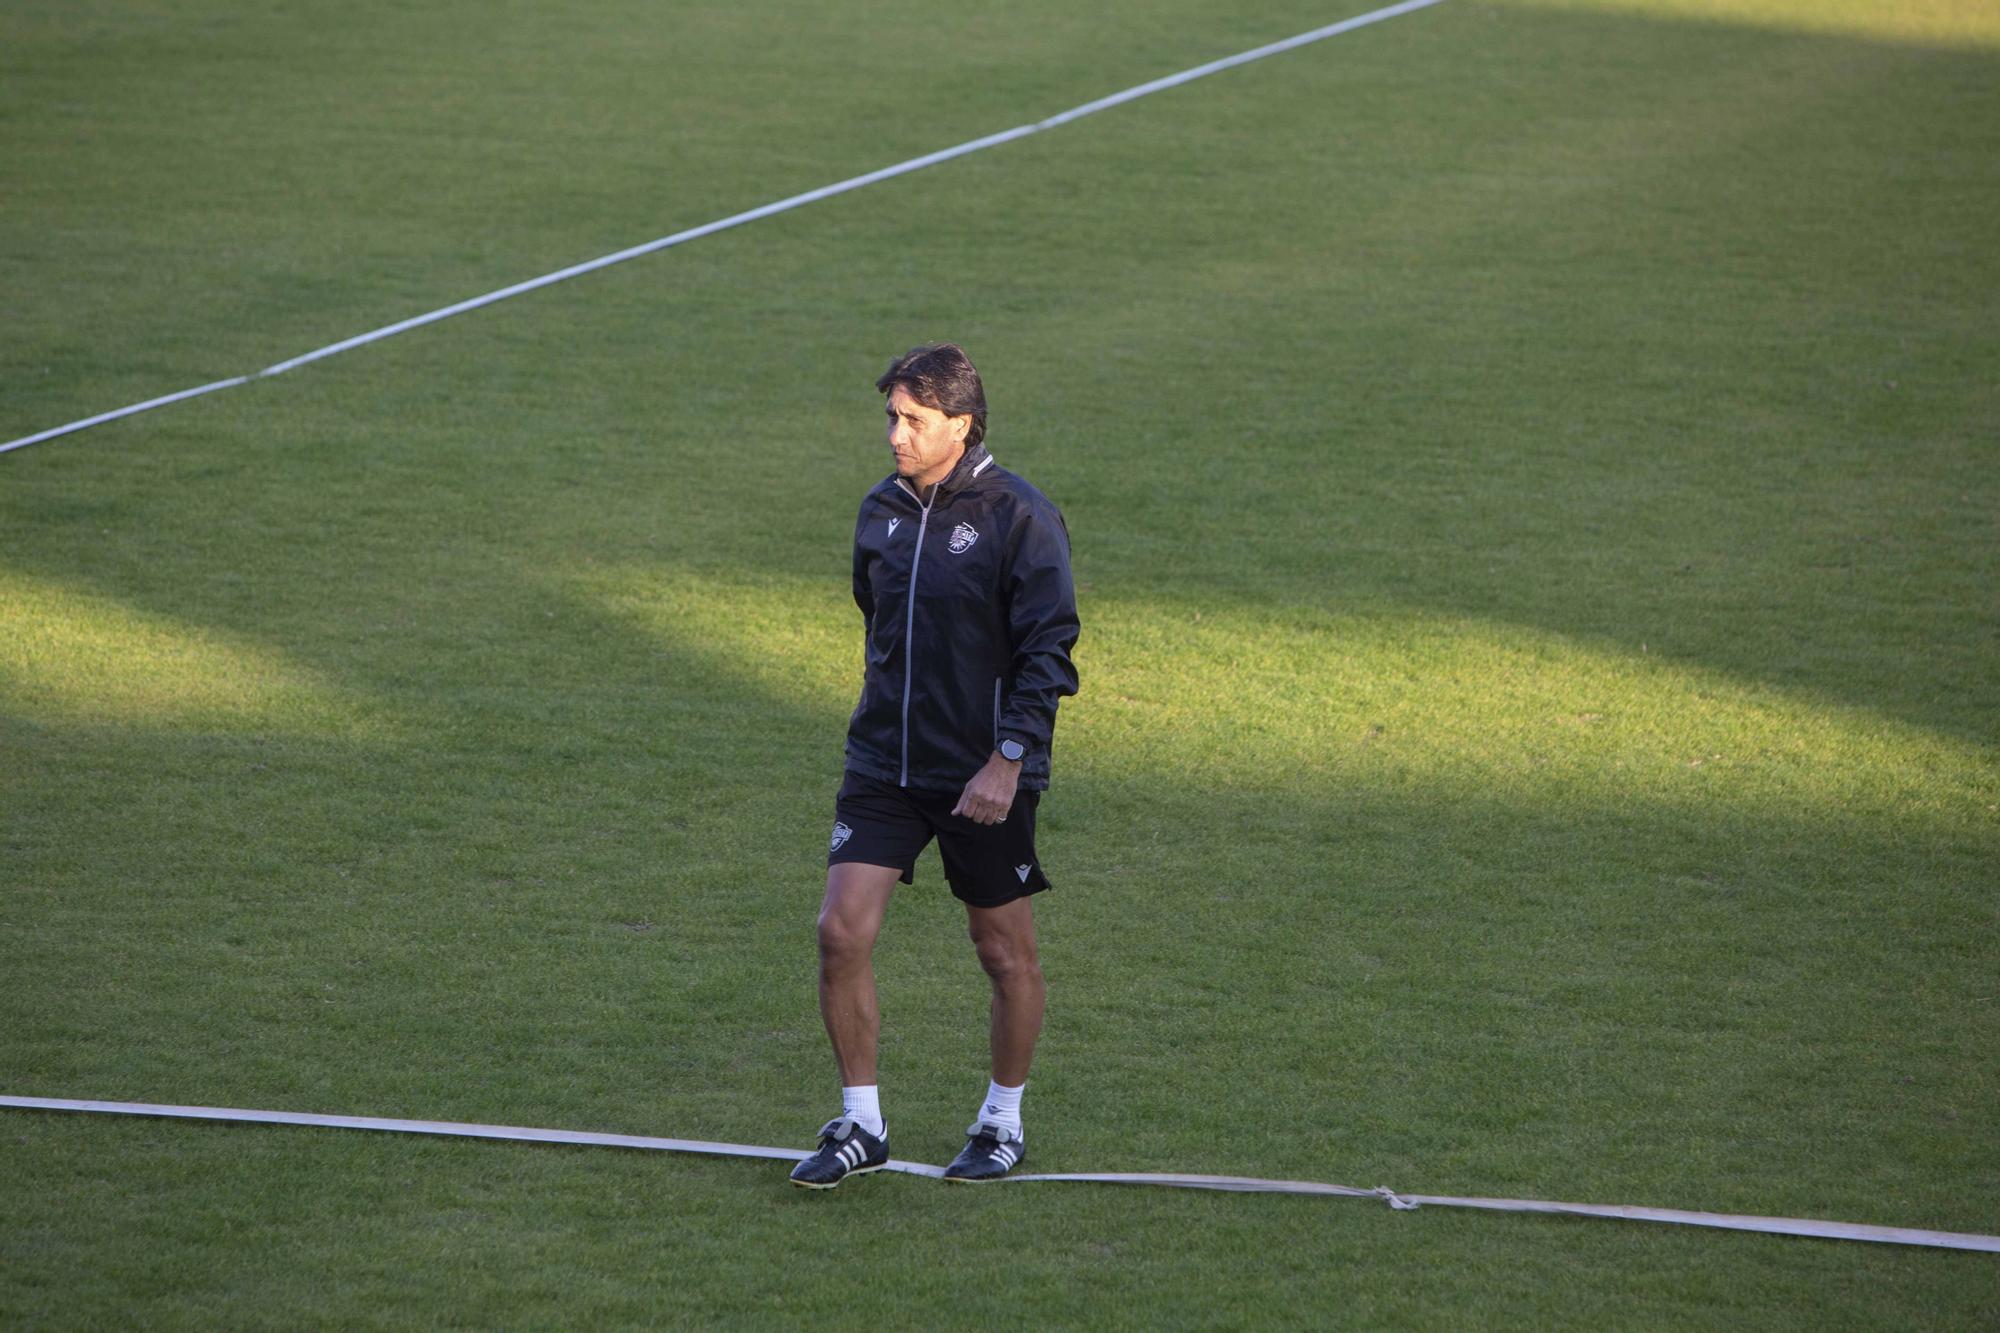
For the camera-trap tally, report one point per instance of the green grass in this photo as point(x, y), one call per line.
point(1534, 493)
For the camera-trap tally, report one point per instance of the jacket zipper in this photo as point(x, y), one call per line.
point(910, 629)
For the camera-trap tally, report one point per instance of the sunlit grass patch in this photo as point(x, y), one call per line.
point(1279, 698)
point(69, 656)
point(796, 638)
point(1298, 699)
point(1968, 23)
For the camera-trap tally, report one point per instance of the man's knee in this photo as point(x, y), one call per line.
point(1006, 956)
point(843, 941)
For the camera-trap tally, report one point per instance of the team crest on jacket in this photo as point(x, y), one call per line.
point(841, 833)
point(962, 538)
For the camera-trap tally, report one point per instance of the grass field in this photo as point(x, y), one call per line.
point(1536, 503)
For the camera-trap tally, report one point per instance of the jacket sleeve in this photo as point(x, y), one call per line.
point(864, 593)
point(1041, 611)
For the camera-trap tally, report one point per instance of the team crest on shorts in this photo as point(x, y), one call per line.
point(962, 538)
point(841, 833)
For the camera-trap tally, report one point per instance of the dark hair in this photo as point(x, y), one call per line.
point(941, 377)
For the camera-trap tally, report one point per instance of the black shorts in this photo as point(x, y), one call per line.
point(989, 865)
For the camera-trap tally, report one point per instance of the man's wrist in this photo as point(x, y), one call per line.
point(1011, 749)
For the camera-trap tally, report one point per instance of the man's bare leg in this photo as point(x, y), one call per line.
point(850, 917)
point(1005, 939)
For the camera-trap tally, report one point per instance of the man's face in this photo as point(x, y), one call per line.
point(925, 441)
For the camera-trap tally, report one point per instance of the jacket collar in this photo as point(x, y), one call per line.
point(970, 464)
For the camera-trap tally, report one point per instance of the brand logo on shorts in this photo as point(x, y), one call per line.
point(962, 538)
point(1022, 871)
point(892, 525)
point(841, 833)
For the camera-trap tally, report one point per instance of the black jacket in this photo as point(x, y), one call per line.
point(970, 621)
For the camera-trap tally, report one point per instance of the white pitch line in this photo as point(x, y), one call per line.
point(1787, 1226)
point(1781, 1226)
point(116, 413)
point(751, 215)
point(459, 1129)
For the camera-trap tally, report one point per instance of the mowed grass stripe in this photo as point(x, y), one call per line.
point(429, 59)
point(785, 205)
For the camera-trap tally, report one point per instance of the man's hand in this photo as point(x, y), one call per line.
point(990, 795)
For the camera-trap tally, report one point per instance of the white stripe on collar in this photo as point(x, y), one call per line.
point(984, 463)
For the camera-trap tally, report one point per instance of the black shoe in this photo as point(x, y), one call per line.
point(991, 1151)
point(845, 1149)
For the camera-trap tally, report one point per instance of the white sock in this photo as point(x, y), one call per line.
point(1003, 1105)
point(863, 1105)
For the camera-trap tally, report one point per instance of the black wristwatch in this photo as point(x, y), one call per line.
point(1012, 751)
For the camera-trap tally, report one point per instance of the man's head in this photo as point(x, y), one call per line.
point(937, 409)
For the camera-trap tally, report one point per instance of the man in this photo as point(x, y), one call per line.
point(961, 571)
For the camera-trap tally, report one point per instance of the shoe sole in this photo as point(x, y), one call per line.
point(857, 1171)
point(973, 1180)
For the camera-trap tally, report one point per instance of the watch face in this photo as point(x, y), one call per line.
point(1011, 750)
